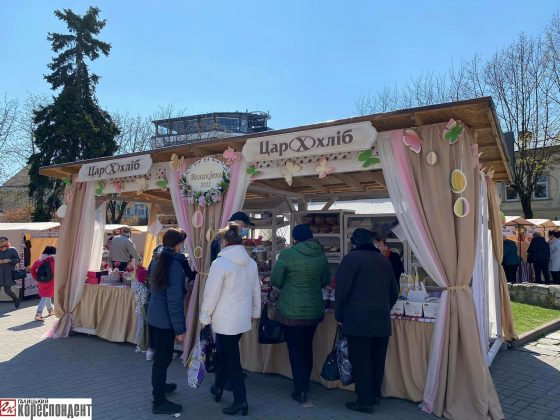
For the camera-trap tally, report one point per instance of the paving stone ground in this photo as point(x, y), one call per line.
point(527, 380)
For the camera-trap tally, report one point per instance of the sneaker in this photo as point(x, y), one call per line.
point(137, 350)
point(17, 303)
point(150, 355)
point(167, 407)
point(360, 408)
point(51, 312)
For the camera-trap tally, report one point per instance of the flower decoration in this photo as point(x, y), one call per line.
point(253, 172)
point(208, 197)
point(230, 155)
point(175, 162)
point(162, 184)
point(453, 131)
point(290, 170)
point(368, 159)
point(99, 188)
point(323, 169)
point(412, 140)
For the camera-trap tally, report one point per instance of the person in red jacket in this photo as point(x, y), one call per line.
point(46, 288)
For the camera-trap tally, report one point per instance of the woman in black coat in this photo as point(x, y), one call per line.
point(366, 291)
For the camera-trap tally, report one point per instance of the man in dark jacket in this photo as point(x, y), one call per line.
point(238, 218)
point(366, 291)
point(539, 255)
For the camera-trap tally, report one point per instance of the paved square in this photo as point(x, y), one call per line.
point(118, 380)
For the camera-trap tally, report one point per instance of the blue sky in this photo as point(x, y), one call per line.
point(303, 61)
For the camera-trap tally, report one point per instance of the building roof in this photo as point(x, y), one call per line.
point(479, 114)
point(19, 180)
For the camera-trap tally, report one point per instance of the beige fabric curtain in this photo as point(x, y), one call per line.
point(465, 390)
point(151, 240)
point(495, 223)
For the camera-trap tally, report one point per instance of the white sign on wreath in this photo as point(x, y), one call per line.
point(205, 182)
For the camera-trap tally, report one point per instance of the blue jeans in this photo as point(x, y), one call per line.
point(44, 301)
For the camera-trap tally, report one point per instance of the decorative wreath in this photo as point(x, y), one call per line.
point(208, 197)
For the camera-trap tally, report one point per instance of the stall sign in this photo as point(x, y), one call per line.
point(116, 168)
point(321, 141)
point(509, 230)
point(206, 174)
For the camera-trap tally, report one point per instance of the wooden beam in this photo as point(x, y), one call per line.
point(313, 183)
point(329, 203)
point(274, 191)
point(290, 204)
point(350, 180)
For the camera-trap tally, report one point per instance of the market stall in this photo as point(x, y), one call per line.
point(41, 235)
point(453, 152)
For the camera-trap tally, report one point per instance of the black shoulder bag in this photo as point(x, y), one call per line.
point(270, 330)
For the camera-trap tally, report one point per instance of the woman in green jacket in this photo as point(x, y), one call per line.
point(301, 272)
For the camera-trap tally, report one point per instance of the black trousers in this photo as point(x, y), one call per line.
point(367, 357)
point(163, 342)
point(10, 293)
point(541, 267)
point(511, 273)
point(555, 277)
point(230, 366)
point(300, 346)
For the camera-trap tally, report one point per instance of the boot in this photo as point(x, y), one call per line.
point(235, 408)
point(360, 408)
point(17, 303)
point(166, 407)
point(217, 392)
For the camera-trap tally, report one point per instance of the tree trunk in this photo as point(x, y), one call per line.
point(115, 211)
point(526, 205)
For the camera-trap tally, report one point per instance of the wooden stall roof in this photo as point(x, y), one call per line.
point(479, 114)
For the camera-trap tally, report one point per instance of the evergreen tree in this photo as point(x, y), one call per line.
point(73, 127)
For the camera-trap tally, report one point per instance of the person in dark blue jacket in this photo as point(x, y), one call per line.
point(510, 260)
point(166, 316)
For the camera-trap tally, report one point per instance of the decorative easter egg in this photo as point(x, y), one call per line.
point(197, 219)
point(431, 158)
point(210, 235)
point(461, 208)
point(458, 181)
point(61, 211)
point(198, 252)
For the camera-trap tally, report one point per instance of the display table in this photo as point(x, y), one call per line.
point(405, 369)
point(107, 312)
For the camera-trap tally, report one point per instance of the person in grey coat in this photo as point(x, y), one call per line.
point(9, 257)
point(166, 316)
point(366, 291)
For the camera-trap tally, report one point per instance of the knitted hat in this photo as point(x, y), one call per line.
point(302, 233)
point(362, 236)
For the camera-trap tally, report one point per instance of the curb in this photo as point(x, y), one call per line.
point(536, 333)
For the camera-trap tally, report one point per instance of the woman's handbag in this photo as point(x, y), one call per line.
point(330, 370)
point(270, 331)
point(195, 371)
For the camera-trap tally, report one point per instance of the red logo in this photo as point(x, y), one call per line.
point(8, 408)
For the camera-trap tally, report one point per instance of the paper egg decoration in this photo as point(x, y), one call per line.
point(198, 252)
point(431, 158)
point(458, 181)
point(61, 211)
point(210, 235)
point(461, 208)
point(197, 219)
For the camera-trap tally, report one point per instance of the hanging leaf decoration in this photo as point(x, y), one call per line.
point(458, 181)
point(453, 131)
point(210, 234)
point(253, 172)
point(142, 185)
point(461, 208)
point(198, 252)
point(197, 219)
point(67, 181)
point(61, 211)
point(412, 140)
point(118, 186)
point(99, 188)
point(432, 158)
point(368, 159)
point(69, 198)
point(162, 184)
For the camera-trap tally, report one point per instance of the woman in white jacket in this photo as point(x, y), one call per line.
point(232, 296)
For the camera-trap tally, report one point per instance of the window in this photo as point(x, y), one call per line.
point(511, 194)
point(541, 190)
